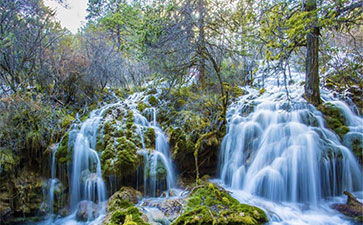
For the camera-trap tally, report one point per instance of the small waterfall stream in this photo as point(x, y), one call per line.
point(88, 193)
point(157, 162)
point(279, 155)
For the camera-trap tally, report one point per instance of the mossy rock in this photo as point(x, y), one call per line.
point(141, 106)
point(210, 204)
point(119, 216)
point(149, 138)
point(120, 159)
point(334, 119)
point(122, 199)
point(262, 90)
point(153, 101)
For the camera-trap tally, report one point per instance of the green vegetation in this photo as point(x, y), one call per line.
point(209, 204)
point(194, 56)
point(121, 210)
point(334, 119)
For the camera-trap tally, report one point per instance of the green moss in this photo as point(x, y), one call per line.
point(67, 120)
point(7, 160)
point(141, 106)
point(149, 138)
point(334, 119)
point(209, 204)
point(120, 159)
point(153, 101)
point(64, 152)
point(119, 216)
point(262, 90)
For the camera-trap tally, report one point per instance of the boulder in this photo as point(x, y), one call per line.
point(87, 210)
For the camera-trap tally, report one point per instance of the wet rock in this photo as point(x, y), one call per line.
point(169, 207)
point(87, 210)
point(353, 208)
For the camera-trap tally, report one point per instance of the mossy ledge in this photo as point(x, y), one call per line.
point(334, 119)
point(210, 204)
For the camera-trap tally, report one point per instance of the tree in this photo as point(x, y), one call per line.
point(26, 29)
point(312, 92)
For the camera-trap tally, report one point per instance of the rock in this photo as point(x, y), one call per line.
point(171, 208)
point(21, 195)
point(210, 204)
point(121, 202)
point(87, 210)
point(353, 208)
point(124, 198)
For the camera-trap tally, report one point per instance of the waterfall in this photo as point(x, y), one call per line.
point(156, 162)
point(86, 178)
point(284, 153)
point(280, 151)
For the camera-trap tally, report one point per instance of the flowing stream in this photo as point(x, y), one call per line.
point(278, 155)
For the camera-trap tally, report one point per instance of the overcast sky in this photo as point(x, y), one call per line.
point(72, 17)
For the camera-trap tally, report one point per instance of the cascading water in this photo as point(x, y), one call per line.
point(88, 195)
point(159, 173)
point(281, 151)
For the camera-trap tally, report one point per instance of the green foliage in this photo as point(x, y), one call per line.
point(209, 204)
point(28, 126)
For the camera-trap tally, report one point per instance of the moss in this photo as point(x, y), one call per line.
point(149, 138)
point(64, 152)
point(119, 216)
point(209, 204)
point(141, 106)
point(8, 160)
point(153, 101)
point(124, 198)
point(262, 90)
point(67, 120)
point(121, 159)
point(334, 119)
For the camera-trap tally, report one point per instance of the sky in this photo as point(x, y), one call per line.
point(72, 17)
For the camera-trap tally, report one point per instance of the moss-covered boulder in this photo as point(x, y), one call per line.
point(124, 198)
point(334, 119)
point(153, 101)
point(149, 138)
point(120, 158)
point(128, 216)
point(210, 204)
point(120, 208)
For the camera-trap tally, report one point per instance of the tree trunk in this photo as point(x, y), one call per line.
point(312, 92)
point(201, 43)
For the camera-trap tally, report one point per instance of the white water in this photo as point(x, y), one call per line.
point(86, 182)
point(280, 154)
point(156, 161)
